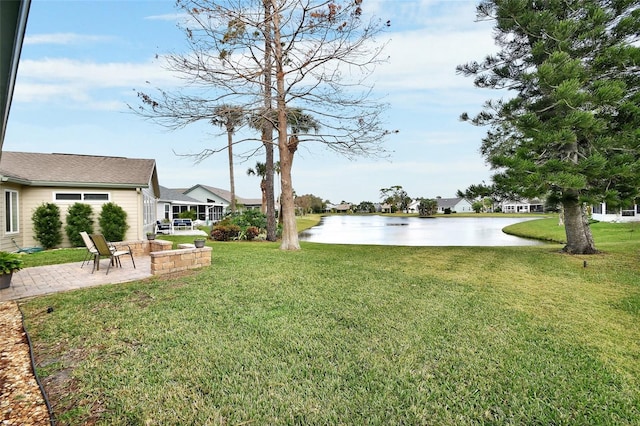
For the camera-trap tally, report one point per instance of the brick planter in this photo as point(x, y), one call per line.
point(164, 260)
point(169, 261)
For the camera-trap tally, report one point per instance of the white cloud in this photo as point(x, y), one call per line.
point(423, 60)
point(65, 39)
point(171, 17)
point(83, 82)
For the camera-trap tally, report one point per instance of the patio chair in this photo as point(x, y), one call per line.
point(103, 250)
point(27, 250)
point(91, 249)
point(163, 227)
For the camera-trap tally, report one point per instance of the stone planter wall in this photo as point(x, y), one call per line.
point(168, 261)
point(164, 260)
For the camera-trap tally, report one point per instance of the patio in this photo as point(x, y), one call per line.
point(41, 280)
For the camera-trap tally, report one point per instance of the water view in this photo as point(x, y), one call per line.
point(414, 231)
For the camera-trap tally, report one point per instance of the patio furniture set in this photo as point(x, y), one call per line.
point(98, 247)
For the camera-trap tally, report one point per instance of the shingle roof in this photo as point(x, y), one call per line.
point(83, 170)
point(448, 202)
point(226, 195)
point(173, 194)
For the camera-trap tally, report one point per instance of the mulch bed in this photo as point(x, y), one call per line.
point(21, 401)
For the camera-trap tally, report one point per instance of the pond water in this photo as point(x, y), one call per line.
point(414, 231)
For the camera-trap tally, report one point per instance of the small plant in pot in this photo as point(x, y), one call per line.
point(199, 242)
point(9, 263)
point(151, 235)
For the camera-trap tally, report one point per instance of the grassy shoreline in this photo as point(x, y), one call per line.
point(340, 334)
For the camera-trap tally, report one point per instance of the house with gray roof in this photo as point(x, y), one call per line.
point(173, 201)
point(220, 199)
point(453, 205)
point(29, 179)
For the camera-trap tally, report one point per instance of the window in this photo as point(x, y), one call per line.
point(68, 197)
point(96, 197)
point(81, 196)
point(628, 210)
point(612, 210)
point(11, 211)
point(597, 208)
point(148, 210)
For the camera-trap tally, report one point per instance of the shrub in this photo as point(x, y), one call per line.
point(187, 214)
point(250, 218)
point(251, 232)
point(47, 225)
point(113, 222)
point(225, 232)
point(79, 219)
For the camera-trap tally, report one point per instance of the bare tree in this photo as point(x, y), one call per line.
point(317, 55)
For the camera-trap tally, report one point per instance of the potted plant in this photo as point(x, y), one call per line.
point(151, 235)
point(9, 263)
point(199, 242)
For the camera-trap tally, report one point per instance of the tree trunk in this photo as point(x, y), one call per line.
point(263, 191)
point(267, 130)
point(287, 209)
point(267, 135)
point(576, 226)
point(232, 181)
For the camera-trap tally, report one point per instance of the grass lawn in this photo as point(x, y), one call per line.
point(342, 334)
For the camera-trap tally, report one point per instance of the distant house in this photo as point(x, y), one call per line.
point(603, 213)
point(383, 208)
point(219, 200)
point(343, 208)
point(523, 206)
point(29, 179)
point(414, 206)
point(173, 202)
point(453, 205)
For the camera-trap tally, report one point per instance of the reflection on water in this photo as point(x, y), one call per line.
point(414, 231)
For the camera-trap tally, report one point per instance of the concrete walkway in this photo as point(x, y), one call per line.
point(41, 280)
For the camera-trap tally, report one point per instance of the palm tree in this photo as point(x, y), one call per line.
point(229, 117)
point(260, 170)
point(299, 122)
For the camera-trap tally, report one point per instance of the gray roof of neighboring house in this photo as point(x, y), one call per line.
point(448, 202)
point(174, 194)
point(37, 169)
point(226, 195)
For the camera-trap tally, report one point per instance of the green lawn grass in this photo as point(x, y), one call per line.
point(341, 334)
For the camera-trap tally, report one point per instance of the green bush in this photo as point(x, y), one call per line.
point(249, 218)
point(188, 214)
point(79, 219)
point(47, 225)
point(113, 222)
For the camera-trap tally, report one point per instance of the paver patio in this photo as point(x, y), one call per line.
point(40, 280)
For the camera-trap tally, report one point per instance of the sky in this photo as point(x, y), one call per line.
point(83, 60)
